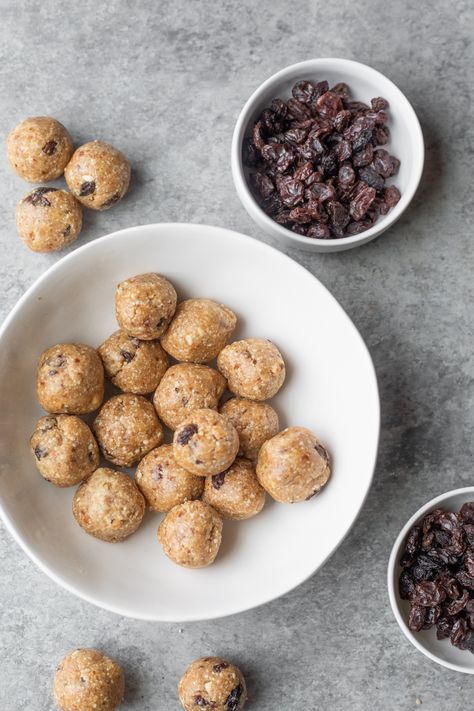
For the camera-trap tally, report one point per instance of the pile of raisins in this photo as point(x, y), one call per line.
point(319, 171)
point(438, 575)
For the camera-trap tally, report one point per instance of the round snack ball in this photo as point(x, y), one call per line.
point(186, 387)
point(108, 505)
point(211, 682)
point(235, 493)
point(126, 428)
point(70, 379)
point(255, 422)
point(199, 330)
point(98, 175)
point(64, 448)
point(253, 367)
point(191, 534)
point(48, 219)
point(87, 679)
point(132, 365)
point(206, 443)
point(39, 149)
point(293, 466)
point(144, 305)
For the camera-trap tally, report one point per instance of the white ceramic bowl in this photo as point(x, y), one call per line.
point(365, 83)
point(331, 387)
point(439, 651)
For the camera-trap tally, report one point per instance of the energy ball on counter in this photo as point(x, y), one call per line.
point(206, 443)
point(293, 466)
point(235, 493)
point(64, 448)
point(144, 305)
point(253, 367)
point(255, 422)
point(211, 682)
point(186, 387)
point(48, 219)
point(191, 534)
point(39, 149)
point(87, 679)
point(70, 379)
point(126, 428)
point(108, 505)
point(132, 365)
point(199, 330)
point(98, 175)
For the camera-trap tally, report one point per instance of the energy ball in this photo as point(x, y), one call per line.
point(191, 534)
point(235, 493)
point(255, 422)
point(70, 379)
point(211, 682)
point(132, 365)
point(64, 448)
point(206, 443)
point(253, 367)
point(39, 149)
point(293, 466)
point(163, 482)
point(199, 330)
point(98, 175)
point(48, 219)
point(144, 305)
point(108, 505)
point(126, 428)
point(87, 679)
point(186, 387)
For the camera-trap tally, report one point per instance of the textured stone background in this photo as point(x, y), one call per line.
point(165, 82)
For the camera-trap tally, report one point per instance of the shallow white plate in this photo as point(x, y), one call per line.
point(331, 388)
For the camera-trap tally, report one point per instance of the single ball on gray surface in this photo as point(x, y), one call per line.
point(206, 443)
point(144, 305)
point(214, 683)
point(39, 149)
point(254, 368)
point(48, 219)
point(87, 679)
point(191, 534)
point(236, 493)
point(132, 365)
point(255, 422)
point(98, 175)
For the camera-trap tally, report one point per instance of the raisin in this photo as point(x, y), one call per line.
point(37, 197)
point(299, 110)
point(157, 472)
point(319, 230)
point(127, 356)
point(233, 700)
point(218, 480)
point(49, 148)
point(111, 201)
point(328, 105)
point(361, 140)
point(416, 619)
point(279, 154)
point(186, 433)
point(202, 703)
point(291, 192)
point(361, 203)
point(379, 104)
point(304, 91)
point(87, 188)
point(222, 665)
point(40, 452)
point(373, 179)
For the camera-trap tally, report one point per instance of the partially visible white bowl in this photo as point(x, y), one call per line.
point(439, 651)
point(365, 83)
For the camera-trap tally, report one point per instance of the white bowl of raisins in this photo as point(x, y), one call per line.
point(327, 154)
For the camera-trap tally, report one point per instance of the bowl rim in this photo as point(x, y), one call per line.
point(251, 204)
point(391, 584)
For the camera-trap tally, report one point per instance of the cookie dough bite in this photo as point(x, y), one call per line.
point(206, 443)
point(48, 219)
point(255, 422)
point(186, 387)
point(70, 379)
point(199, 330)
point(293, 466)
point(165, 484)
point(98, 175)
point(126, 428)
point(87, 679)
point(132, 365)
point(108, 505)
point(191, 534)
point(211, 682)
point(39, 149)
point(144, 305)
point(235, 493)
point(64, 449)
point(253, 367)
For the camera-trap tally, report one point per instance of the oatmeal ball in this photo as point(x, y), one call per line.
point(64, 449)
point(191, 534)
point(127, 428)
point(253, 367)
point(211, 682)
point(98, 175)
point(108, 505)
point(48, 219)
point(144, 305)
point(255, 422)
point(235, 493)
point(87, 679)
point(186, 387)
point(206, 443)
point(163, 482)
point(199, 330)
point(70, 379)
point(132, 365)
point(39, 149)
point(293, 466)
